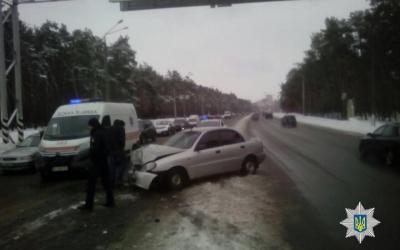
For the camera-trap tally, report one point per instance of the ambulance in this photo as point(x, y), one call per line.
point(66, 140)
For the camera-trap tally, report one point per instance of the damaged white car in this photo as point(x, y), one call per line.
point(194, 154)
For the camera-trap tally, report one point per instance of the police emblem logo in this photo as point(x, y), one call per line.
point(360, 222)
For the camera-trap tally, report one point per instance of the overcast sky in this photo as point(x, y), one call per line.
point(246, 49)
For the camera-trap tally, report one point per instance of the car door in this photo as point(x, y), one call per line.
point(388, 139)
point(207, 157)
point(233, 150)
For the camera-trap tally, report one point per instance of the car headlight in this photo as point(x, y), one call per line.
point(150, 166)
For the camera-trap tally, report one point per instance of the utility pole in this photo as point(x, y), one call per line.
point(17, 71)
point(3, 80)
point(303, 95)
point(5, 14)
point(175, 111)
point(109, 32)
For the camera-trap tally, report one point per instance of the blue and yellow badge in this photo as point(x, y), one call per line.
point(360, 222)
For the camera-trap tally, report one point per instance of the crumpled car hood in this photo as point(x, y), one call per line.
point(152, 152)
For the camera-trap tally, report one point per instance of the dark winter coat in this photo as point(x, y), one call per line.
point(98, 145)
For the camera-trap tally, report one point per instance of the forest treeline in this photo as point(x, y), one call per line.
point(58, 65)
point(356, 59)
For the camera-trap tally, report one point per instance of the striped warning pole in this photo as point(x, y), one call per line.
point(20, 128)
point(4, 130)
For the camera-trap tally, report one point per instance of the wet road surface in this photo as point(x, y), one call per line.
point(324, 165)
point(295, 201)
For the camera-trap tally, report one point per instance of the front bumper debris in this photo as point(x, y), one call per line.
point(143, 179)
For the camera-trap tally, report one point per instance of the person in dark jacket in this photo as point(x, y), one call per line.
point(116, 158)
point(99, 167)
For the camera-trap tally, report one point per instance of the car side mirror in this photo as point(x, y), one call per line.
point(371, 135)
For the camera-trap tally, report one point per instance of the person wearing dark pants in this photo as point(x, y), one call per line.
point(99, 166)
point(116, 144)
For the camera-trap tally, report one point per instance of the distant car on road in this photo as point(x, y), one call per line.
point(255, 116)
point(147, 131)
point(289, 121)
point(211, 123)
point(193, 120)
point(268, 115)
point(22, 157)
point(194, 154)
point(382, 145)
point(181, 124)
point(227, 115)
point(164, 126)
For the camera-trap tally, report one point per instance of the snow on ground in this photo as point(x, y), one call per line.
point(353, 125)
point(14, 136)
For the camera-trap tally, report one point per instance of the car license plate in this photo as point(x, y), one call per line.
point(60, 168)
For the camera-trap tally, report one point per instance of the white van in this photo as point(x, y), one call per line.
point(66, 141)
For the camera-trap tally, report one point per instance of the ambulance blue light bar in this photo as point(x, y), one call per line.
point(75, 101)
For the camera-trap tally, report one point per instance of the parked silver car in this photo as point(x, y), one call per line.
point(194, 154)
point(22, 157)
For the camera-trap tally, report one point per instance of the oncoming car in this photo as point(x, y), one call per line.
point(382, 145)
point(289, 121)
point(193, 154)
point(22, 157)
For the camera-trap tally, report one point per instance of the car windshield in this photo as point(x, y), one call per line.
point(209, 124)
point(68, 127)
point(183, 140)
point(31, 141)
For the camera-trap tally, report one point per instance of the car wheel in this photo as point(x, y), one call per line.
point(249, 166)
point(389, 158)
point(177, 179)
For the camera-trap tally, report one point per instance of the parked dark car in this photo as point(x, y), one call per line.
point(181, 124)
point(268, 115)
point(147, 131)
point(255, 116)
point(289, 121)
point(382, 145)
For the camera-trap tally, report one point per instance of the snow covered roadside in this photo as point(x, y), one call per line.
point(352, 125)
point(14, 136)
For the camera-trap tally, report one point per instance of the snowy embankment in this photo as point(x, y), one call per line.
point(353, 125)
point(14, 136)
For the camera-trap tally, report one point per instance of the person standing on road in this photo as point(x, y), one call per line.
point(116, 158)
point(99, 167)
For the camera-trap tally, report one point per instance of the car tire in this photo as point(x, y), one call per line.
point(177, 179)
point(249, 166)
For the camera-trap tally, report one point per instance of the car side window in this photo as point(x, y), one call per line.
point(379, 131)
point(390, 131)
point(230, 137)
point(209, 140)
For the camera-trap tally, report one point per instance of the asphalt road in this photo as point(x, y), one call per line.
point(324, 166)
point(295, 201)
